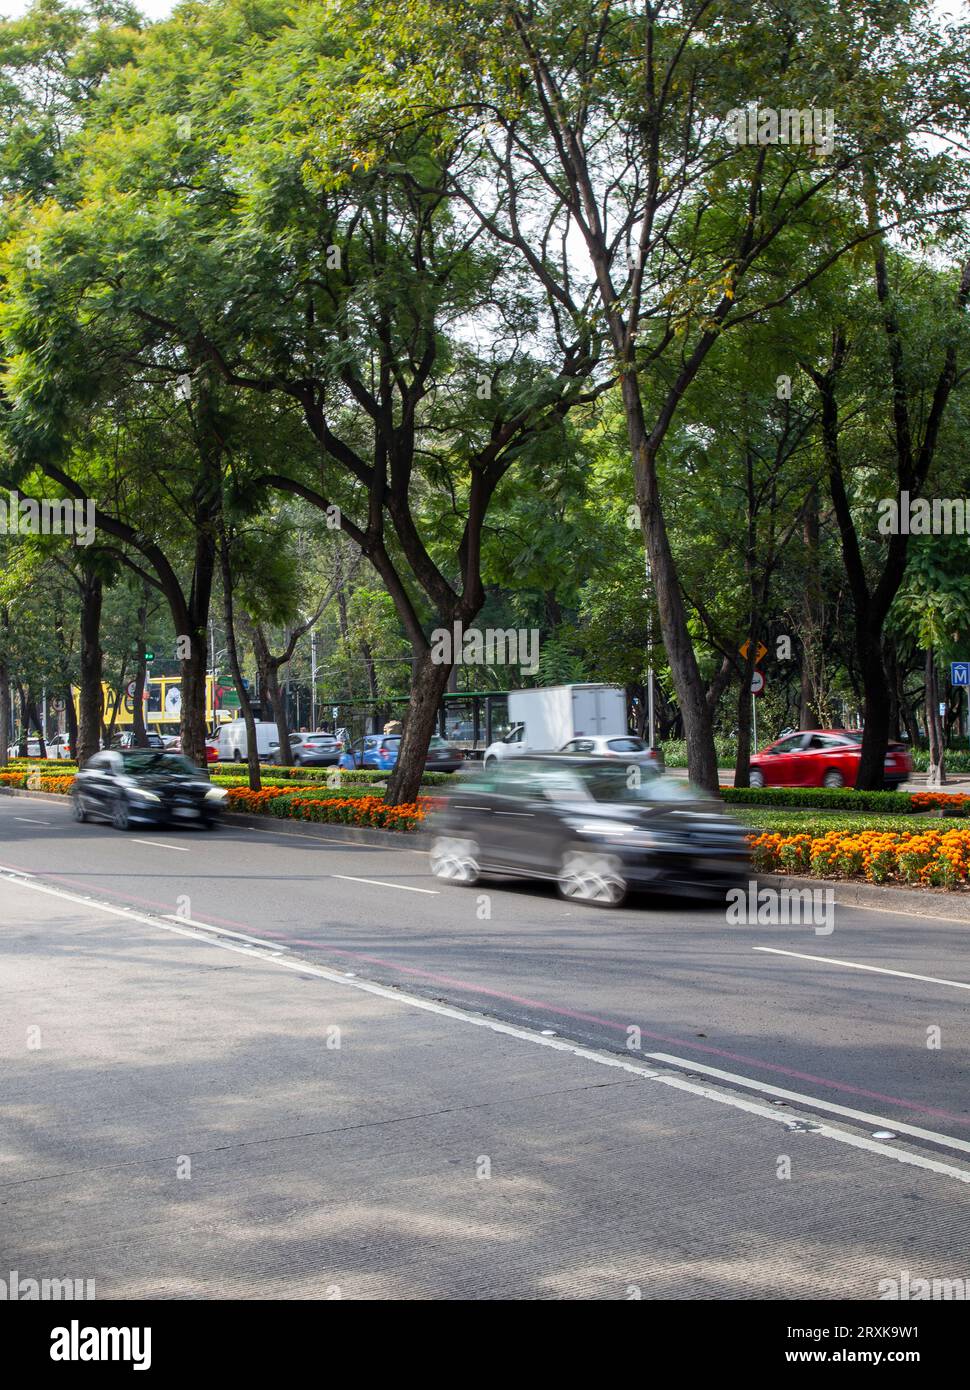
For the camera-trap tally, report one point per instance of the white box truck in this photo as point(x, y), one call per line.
point(232, 744)
point(545, 719)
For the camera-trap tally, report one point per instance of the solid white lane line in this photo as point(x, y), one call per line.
point(27, 821)
point(859, 1116)
point(224, 931)
point(381, 883)
point(160, 844)
point(677, 1083)
point(854, 965)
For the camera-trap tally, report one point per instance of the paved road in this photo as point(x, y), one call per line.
point(714, 995)
point(179, 1123)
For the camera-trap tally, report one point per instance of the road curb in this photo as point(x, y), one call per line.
point(313, 830)
point(919, 902)
point(329, 830)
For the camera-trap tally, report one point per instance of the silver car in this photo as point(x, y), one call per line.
point(314, 750)
point(626, 746)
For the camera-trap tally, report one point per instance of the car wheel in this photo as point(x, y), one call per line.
point(120, 816)
point(488, 762)
point(237, 756)
point(756, 778)
point(455, 860)
point(209, 823)
point(77, 809)
point(588, 876)
point(833, 779)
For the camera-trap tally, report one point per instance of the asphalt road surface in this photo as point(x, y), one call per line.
point(458, 1143)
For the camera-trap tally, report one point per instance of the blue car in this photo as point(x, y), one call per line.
point(373, 750)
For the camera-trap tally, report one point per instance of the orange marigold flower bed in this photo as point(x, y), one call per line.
point(932, 858)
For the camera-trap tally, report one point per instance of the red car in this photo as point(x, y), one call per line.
point(823, 758)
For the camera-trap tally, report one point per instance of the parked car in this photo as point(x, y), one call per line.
point(233, 744)
point(443, 756)
point(126, 740)
point(823, 758)
point(626, 746)
point(33, 749)
point(373, 750)
point(144, 785)
point(577, 821)
point(544, 719)
point(314, 750)
point(211, 750)
point(59, 747)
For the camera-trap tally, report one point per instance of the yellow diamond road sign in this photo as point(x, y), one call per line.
point(762, 650)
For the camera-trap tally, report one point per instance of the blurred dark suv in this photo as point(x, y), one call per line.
point(598, 827)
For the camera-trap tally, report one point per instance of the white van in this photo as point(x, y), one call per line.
point(233, 747)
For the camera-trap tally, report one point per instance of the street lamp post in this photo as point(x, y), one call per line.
point(313, 678)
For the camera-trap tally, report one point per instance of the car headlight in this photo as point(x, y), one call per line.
point(144, 795)
point(616, 829)
point(216, 794)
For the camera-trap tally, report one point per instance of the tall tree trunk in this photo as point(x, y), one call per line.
point(934, 724)
point(33, 713)
point(245, 703)
point(141, 676)
point(742, 764)
point(4, 710)
point(269, 675)
point(811, 633)
point(193, 725)
point(70, 717)
point(428, 684)
point(694, 710)
point(90, 697)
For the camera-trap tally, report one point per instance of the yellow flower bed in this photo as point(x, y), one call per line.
point(932, 858)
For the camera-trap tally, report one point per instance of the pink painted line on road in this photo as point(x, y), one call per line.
point(560, 1011)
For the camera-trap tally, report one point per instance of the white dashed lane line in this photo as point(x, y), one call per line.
point(160, 844)
point(854, 965)
point(381, 883)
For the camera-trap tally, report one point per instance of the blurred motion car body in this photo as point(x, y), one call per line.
point(823, 758)
point(145, 785)
point(585, 823)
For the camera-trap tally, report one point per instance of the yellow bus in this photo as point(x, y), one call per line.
point(163, 703)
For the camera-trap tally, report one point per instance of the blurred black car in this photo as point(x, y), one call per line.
point(443, 757)
point(597, 827)
point(145, 785)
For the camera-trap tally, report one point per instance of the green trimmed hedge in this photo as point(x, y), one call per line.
point(675, 752)
point(272, 774)
point(820, 798)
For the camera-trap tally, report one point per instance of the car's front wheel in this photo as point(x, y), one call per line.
point(833, 779)
point(455, 859)
point(756, 778)
point(120, 814)
point(590, 876)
